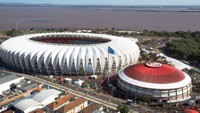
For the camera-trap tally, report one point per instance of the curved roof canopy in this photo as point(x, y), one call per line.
point(46, 96)
point(27, 105)
point(66, 54)
point(38, 100)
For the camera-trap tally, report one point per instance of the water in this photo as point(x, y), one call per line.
point(135, 18)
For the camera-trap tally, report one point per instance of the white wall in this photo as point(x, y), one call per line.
point(6, 86)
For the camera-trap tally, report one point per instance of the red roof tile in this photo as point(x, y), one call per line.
point(37, 111)
point(71, 105)
point(91, 108)
point(61, 101)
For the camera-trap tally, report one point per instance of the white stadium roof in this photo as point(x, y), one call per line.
point(27, 53)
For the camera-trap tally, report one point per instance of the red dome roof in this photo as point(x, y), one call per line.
point(159, 73)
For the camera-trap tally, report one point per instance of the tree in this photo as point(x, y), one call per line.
point(12, 32)
point(123, 109)
point(31, 29)
point(113, 29)
point(186, 48)
point(146, 99)
point(191, 72)
point(167, 39)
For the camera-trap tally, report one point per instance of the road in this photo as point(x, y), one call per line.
point(72, 91)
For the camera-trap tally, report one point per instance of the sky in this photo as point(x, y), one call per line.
point(108, 2)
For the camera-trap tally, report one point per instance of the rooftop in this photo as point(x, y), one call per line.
point(91, 108)
point(61, 101)
point(9, 111)
point(46, 96)
point(30, 86)
point(154, 73)
point(27, 105)
point(8, 77)
point(37, 111)
point(71, 105)
point(39, 100)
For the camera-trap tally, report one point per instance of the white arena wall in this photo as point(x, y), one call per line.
point(89, 56)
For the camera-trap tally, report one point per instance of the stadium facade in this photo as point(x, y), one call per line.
point(157, 81)
point(69, 53)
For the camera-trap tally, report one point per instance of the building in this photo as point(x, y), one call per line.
point(34, 111)
point(7, 80)
point(46, 96)
point(28, 87)
point(37, 101)
point(74, 106)
point(9, 111)
point(94, 107)
point(68, 53)
point(157, 81)
point(37, 111)
point(52, 107)
point(27, 105)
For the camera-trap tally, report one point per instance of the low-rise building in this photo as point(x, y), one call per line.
point(7, 80)
point(37, 101)
point(37, 111)
point(28, 87)
point(93, 108)
point(27, 105)
point(60, 103)
point(74, 106)
point(9, 111)
point(45, 97)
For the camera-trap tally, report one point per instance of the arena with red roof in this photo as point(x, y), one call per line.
point(155, 80)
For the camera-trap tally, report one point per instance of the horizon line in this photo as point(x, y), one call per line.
point(53, 4)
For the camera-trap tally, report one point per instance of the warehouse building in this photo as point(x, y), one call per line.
point(37, 101)
point(7, 80)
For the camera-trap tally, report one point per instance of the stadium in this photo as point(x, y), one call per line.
point(156, 81)
point(69, 53)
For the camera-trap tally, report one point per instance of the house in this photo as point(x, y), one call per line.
point(74, 106)
point(92, 108)
point(60, 103)
point(37, 111)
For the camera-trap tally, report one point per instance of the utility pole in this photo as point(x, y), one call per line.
point(135, 98)
point(4, 72)
point(16, 27)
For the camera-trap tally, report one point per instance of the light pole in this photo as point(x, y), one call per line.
point(23, 69)
point(135, 99)
point(3, 70)
point(16, 27)
point(108, 76)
